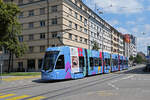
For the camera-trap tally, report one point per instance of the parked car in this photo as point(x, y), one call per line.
point(133, 64)
point(148, 67)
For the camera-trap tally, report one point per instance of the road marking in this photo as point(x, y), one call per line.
point(7, 95)
point(131, 76)
point(37, 98)
point(19, 78)
point(19, 97)
point(113, 86)
point(106, 93)
point(1, 94)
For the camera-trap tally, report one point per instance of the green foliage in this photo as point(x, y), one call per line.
point(22, 74)
point(131, 58)
point(138, 59)
point(10, 30)
point(8, 18)
point(95, 46)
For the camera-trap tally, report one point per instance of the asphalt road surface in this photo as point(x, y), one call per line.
point(132, 84)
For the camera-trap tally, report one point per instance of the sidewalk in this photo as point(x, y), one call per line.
point(16, 81)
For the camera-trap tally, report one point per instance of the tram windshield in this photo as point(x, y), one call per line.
point(49, 60)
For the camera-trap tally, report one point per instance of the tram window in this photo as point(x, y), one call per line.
point(81, 62)
point(96, 61)
point(60, 63)
point(100, 62)
point(107, 61)
point(91, 62)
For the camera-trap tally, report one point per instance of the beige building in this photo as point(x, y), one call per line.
point(49, 23)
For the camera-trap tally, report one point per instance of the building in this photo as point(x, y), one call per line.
point(130, 45)
point(133, 46)
point(126, 45)
point(49, 23)
point(121, 45)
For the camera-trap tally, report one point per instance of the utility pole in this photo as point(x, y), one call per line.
point(47, 23)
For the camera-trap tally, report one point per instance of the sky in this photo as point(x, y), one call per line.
point(127, 16)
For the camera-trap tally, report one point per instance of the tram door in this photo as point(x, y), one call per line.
point(86, 62)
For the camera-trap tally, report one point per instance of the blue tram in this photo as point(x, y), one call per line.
point(72, 63)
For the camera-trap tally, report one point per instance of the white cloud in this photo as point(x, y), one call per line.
point(142, 43)
point(147, 28)
point(123, 30)
point(135, 30)
point(113, 22)
point(131, 22)
point(119, 6)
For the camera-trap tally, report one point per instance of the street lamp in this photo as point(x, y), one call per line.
point(61, 33)
point(47, 23)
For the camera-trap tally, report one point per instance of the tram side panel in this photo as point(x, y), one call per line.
point(77, 62)
point(106, 63)
point(95, 62)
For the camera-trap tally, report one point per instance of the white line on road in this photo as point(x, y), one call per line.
point(110, 84)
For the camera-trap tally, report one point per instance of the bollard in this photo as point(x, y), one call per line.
point(1, 72)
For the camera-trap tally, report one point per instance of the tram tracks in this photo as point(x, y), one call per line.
point(73, 88)
point(28, 86)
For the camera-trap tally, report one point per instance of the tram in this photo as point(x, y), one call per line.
point(72, 63)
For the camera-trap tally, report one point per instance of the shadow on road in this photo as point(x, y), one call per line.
point(49, 81)
point(138, 70)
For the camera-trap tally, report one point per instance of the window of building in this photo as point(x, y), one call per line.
point(20, 2)
point(85, 22)
point(76, 38)
point(80, 18)
point(20, 64)
point(85, 30)
point(31, 12)
point(31, 49)
point(81, 28)
point(30, 1)
point(54, 34)
point(42, 48)
point(21, 15)
point(31, 25)
point(85, 40)
point(54, 8)
point(42, 11)
point(40, 63)
point(76, 26)
point(60, 62)
point(70, 11)
point(70, 36)
point(31, 37)
point(31, 64)
point(70, 24)
point(21, 38)
point(42, 23)
point(76, 2)
point(42, 35)
point(54, 21)
point(80, 39)
point(81, 6)
point(76, 15)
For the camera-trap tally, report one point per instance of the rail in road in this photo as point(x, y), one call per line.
point(68, 89)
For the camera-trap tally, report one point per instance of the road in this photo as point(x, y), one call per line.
point(132, 84)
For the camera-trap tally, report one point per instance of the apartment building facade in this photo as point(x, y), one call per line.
point(133, 45)
point(49, 23)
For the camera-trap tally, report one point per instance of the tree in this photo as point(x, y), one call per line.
point(10, 30)
point(138, 59)
point(131, 58)
point(95, 46)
